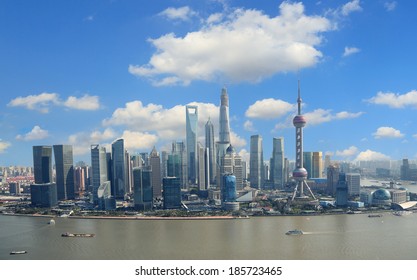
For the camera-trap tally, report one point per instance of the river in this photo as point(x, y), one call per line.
point(327, 237)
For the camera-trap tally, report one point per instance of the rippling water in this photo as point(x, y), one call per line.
point(353, 237)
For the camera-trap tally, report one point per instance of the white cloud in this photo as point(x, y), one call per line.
point(390, 6)
point(352, 6)
point(37, 133)
point(224, 50)
point(42, 102)
point(4, 145)
point(395, 100)
point(349, 152)
point(370, 155)
point(236, 140)
point(85, 102)
point(214, 18)
point(135, 140)
point(245, 154)
point(321, 116)
point(387, 132)
point(183, 13)
point(269, 109)
point(350, 50)
point(248, 126)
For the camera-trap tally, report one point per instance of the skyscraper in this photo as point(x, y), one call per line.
point(43, 192)
point(224, 131)
point(353, 181)
point(256, 174)
point(317, 165)
point(142, 188)
point(155, 162)
point(202, 167)
point(308, 163)
point(277, 163)
point(231, 163)
point(300, 173)
point(98, 168)
point(42, 164)
point(191, 135)
point(172, 192)
point(332, 179)
point(119, 168)
point(64, 166)
point(179, 156)
point(210, 145)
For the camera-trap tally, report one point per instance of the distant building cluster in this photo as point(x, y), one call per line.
point(212, 170)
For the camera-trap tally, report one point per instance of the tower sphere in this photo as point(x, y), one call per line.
point(299, 121)
point(300, 173)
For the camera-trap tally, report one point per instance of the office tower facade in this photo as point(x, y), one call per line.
point(342, 191)
point(164, 166)
point(142, 189)
point(256, 174)
point(178, 149)
point(231, 163)
point(79, 180)
point(317, 165)
point(119, 169)
point(105, 200)
point(42, 164)
point(203, 169)
point(353, 181)
point(191, 136)
point(155, 162)
point(43, 193)
point(229, 193)
point(224, 128)
point(64, 166)
point(308, 163)
point(333, 172)
point(210, 145)
point(128, 175)
point(99, 168)
point(277, 164)
point(172, 192)
point(300, 173)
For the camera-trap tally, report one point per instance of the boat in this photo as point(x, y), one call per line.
point(294, 232)
point(69, 234)
point(374, 215)
point(18, 252)
point(51, 222)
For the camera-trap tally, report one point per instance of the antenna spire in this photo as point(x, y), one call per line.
point(299, 100)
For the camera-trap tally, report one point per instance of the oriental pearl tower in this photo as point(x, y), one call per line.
point(300, 173)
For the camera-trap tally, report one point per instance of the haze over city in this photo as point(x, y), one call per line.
point(83, 73)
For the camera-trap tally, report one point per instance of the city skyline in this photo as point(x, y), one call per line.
point(89, 74)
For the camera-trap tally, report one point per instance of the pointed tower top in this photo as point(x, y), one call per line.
point(299, 100)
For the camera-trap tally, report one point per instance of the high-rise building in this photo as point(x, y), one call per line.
point(43, 192)
point(105, 200)
point(191, 135)
point(178, 148)
point(229, 193)
point(231, 163)
point(256, 174)
point(128, 173)
point(342, 191)
point(300, 173)
point(79, 180)
point(64, 166)
point(99, 168)
point(317, 165)
point(42, 164)
point(333, 172)
point(164, 164)
point(210, 145)
point(308, 163)
point(224, 130)
point(353, 181)
point(202, 167)
point(142, 185)
point(155, 162)
point(119, 169)
point(277, 164)
point(172, 192)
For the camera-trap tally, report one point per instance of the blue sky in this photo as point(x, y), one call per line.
point(86, 72)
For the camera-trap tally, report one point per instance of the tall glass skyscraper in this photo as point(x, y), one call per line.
point(119, 168)
point(256, 162)
point(155, 163)
point(191, 135)
point(99, 168)
point(277, 165)
point(224, 131)
point(42, 164)
point(142, 189)
point(64, 165)
point(210, 145)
